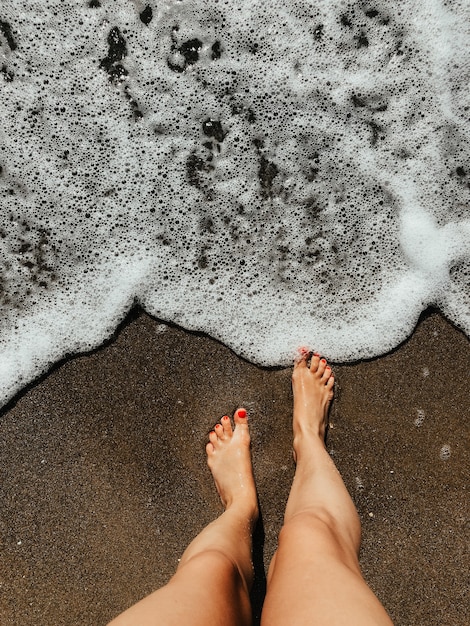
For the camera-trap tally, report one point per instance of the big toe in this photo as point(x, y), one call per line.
point(300, 360)
point(240, 417)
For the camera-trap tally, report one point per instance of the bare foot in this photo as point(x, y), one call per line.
point(313, 391)
point(229, 459)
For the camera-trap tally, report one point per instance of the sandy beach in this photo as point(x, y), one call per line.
point(104, 479)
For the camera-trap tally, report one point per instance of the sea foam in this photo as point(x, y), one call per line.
point(274, 174)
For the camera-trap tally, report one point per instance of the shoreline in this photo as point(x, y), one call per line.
point(104, 478)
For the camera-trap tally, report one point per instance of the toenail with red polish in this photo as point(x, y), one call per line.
point(241, 413)
point(225, 417)
point(323, 360)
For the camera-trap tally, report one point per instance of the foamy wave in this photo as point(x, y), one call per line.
point(274, 175)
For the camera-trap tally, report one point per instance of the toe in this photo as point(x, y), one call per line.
point(209, 449)
point(330, 382)
point(321, 367)
point(314, 362)
point(326, 374)
point(240, 416)
point(219, 431)
point(301, 358)
point(213, 438)
point(227, 426)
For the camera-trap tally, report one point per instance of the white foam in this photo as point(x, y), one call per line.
point(419, 419)
point(274, 175)
point(445, 452)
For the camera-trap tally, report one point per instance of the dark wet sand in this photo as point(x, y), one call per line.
point(104, 479)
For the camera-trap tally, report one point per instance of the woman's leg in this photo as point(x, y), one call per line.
point(314, 577)
point(213, 579)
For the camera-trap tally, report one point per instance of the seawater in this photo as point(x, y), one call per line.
point(272, 173)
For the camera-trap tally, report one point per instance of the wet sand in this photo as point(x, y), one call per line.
point(104, 479)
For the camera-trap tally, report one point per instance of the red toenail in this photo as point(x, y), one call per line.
point(323, 360)
point(241, 413)
point(225, 417)
point(328, 367)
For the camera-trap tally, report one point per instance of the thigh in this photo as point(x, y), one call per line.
point(208, 589)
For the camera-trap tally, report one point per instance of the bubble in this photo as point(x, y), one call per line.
point(419, 419)
point(444, 452)
point(359, 483)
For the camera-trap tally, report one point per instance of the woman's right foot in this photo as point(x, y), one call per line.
point(229, 459)
point(312, 386)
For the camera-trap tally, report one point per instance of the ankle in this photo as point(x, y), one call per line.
point(306, 442)
point(245, 509)
point(308, 435)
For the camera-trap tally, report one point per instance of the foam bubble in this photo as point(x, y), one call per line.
point(420, 417)
point(445, 452)
point(359, 483)
point(272, 175)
